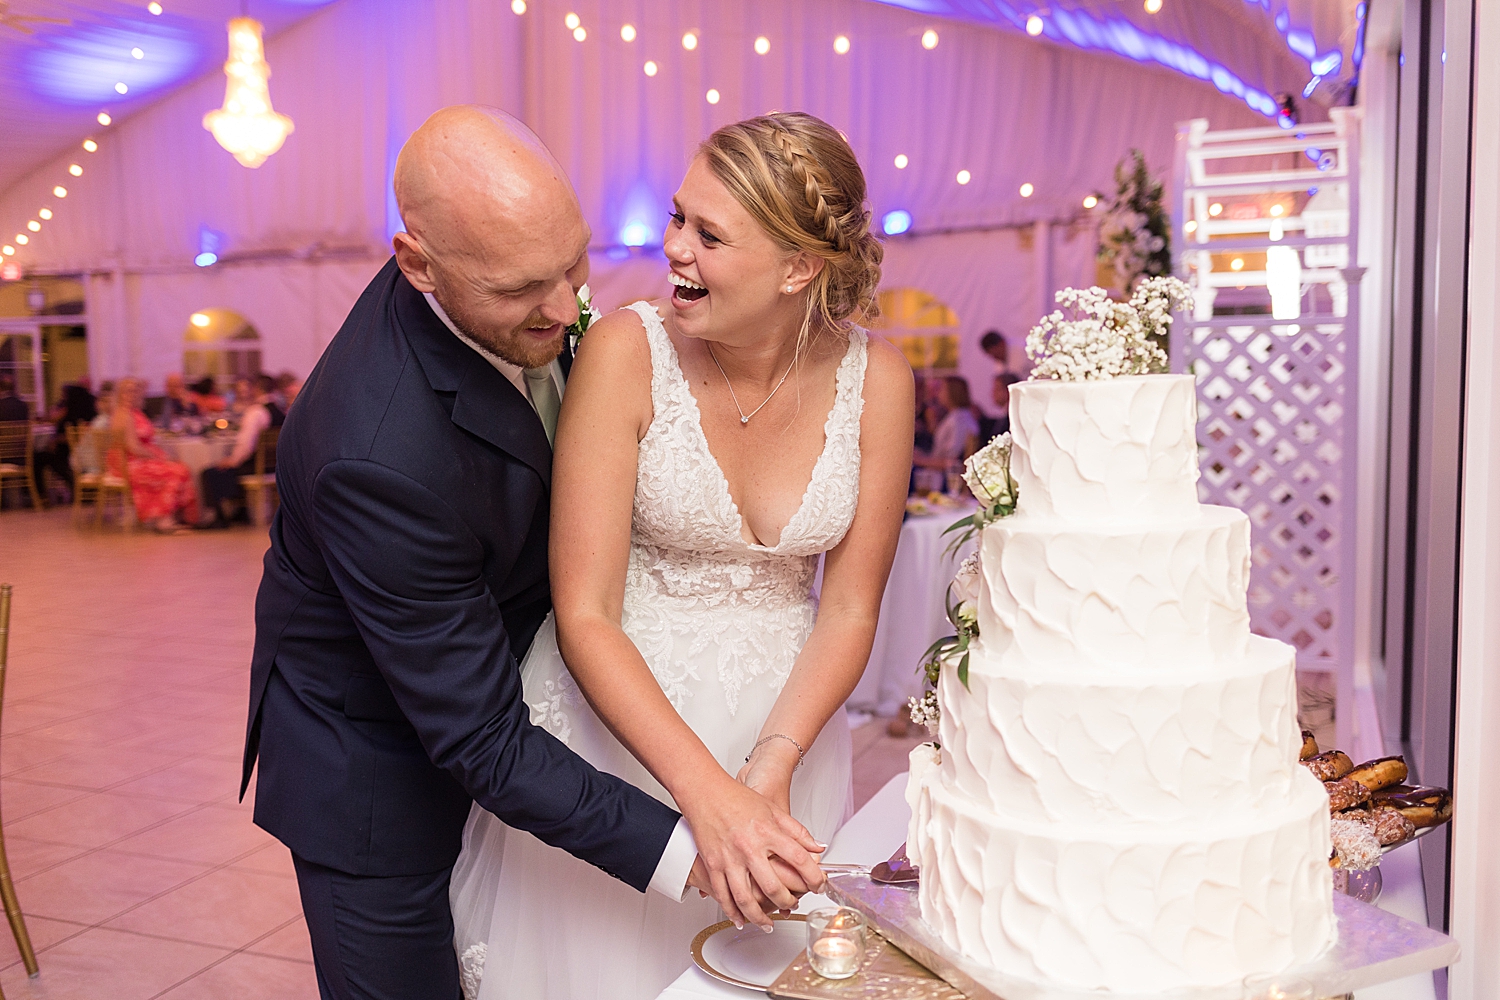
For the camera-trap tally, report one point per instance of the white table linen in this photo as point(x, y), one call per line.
point(197, 452)
point(913, 614)
point(871, 835)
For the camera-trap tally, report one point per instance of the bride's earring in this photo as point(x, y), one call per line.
point(789, 289)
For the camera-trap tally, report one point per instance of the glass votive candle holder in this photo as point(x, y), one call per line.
point(835, 941)
point(1277, 987)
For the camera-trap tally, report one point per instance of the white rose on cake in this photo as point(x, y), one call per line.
point(964, 592)
point(987, 473)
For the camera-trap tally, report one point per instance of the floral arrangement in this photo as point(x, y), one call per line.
point(587, 314)
point(987, 473)
point(1135, 231)
point(1099, 337)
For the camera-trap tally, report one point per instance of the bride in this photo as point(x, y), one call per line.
point(711, 447)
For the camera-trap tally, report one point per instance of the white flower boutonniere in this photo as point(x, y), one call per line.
point(587, 314)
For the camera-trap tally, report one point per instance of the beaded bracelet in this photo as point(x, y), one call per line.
point(801, 753)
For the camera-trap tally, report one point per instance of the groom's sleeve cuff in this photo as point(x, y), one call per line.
point(676, 863)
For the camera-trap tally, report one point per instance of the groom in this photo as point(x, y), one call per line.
point(407, 575)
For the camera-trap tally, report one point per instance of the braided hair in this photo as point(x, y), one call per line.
point(800, 180)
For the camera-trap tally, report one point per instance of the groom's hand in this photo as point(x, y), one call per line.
point(752, 851)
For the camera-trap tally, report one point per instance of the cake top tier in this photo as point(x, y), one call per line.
point(1120, 449)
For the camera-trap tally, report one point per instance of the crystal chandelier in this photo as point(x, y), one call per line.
point(247, 125)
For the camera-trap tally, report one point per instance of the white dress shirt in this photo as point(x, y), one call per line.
point(676, 864)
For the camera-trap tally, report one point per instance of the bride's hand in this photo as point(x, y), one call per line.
point(769, 772)
point(741, 837)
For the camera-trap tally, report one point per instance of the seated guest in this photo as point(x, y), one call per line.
point(178, 402)
point(12, 407)
point(957, 436)
point(207, 397)
point(222, 493)
point(76, 408)
point(287, 387)
point(995, 426)
point(241, 397)
point(162, 488)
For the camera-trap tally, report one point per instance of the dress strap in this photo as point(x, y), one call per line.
point(666, 374)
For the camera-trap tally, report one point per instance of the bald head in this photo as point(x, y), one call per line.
point(493, 230)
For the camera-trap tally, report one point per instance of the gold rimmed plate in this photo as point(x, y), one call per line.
point(750, 958)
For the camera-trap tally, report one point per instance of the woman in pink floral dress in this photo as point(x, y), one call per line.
point(163, 489)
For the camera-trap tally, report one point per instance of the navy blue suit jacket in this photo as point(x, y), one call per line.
point(407, 575)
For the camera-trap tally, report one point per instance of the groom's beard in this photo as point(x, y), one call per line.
point(522, 346)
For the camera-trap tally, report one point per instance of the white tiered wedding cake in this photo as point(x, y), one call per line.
point(1117, 807)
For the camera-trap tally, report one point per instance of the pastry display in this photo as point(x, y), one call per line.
point(1309, 745)
point(1329, 766)
point(1373, 795)
point(1345, 793)
point(1116, 807)
point(1423, 806)
point(1382, 772)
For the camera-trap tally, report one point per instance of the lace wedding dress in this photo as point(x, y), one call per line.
point(719, 621)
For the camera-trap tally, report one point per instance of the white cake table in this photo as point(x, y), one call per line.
point(875, 832)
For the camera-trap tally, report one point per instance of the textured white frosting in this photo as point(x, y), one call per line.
point(1118, 449)
point(1191, 746)
point(1166, 594)
point(1124, 909)
point(1117, 806)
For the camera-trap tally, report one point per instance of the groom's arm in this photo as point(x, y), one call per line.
point(410, 572)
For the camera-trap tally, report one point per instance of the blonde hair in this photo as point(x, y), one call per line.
point(800, 180)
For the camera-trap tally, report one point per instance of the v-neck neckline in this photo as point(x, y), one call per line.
point(740, 526)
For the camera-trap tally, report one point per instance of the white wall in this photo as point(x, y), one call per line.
point(1474, 916)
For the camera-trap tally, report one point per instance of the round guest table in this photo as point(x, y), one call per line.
point(196, 451)
point(913, 612)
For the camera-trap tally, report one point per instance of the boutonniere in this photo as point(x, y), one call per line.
point(587, 314)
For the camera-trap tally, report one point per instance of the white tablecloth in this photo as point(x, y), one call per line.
point(871, 835)
point(195, 451)
point(912, 613)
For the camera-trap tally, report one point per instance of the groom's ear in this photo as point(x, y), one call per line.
point(412, 260)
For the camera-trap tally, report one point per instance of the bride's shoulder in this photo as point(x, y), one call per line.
point(619, 337)
point(888, 376)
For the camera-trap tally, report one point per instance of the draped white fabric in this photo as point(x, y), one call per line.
point(359, 76)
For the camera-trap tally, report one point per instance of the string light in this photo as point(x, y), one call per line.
point(579, 34)
point(154, 8)
point(963, 177)
point(22, 239)
point(627, 32)
point(75, 170)
point(59, 192)
point(712, 97)
point(518, 7)
point(650, 68)
point(137, 53)
point(1153, 6)
point(1090, 201)
point(45, 213)
point(1027, 190)
point(901, 161)
point(103, 118)
point(929, 39)
point(1035, 25)
point(1277, 210)
point(121, 89)
point(690, 41)
point(762, 45)
point(572, 20)
point(8, 250)
point(1238, 264)
point(90, 146)
point(1190, 226)
point(841, 45)
point(1215, 209)
point(36, 226)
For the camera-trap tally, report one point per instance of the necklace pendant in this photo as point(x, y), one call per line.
point(744, 420)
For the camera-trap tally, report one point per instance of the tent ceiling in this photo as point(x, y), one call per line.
point(1254, 49)
point(55, 80)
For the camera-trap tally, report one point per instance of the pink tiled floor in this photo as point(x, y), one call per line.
point(140, 874)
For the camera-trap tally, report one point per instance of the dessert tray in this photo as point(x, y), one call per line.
point(1373, 946)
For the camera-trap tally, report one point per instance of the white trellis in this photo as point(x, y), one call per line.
point(1266, 226)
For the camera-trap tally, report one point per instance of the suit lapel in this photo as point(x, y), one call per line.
point(485, 403)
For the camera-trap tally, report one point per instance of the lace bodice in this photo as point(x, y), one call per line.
point(691, 572)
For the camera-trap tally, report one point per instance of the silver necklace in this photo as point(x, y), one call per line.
point(745, 417)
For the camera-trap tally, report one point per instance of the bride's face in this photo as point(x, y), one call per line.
point(729, 279)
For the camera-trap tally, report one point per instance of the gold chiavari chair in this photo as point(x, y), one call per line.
point(17, 454)
point(260, 486)
point(87, 458)
point(115, 481)
point(7, 887)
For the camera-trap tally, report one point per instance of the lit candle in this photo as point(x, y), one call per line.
point(835, 957)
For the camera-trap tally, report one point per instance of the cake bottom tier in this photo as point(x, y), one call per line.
point(1130, 909)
